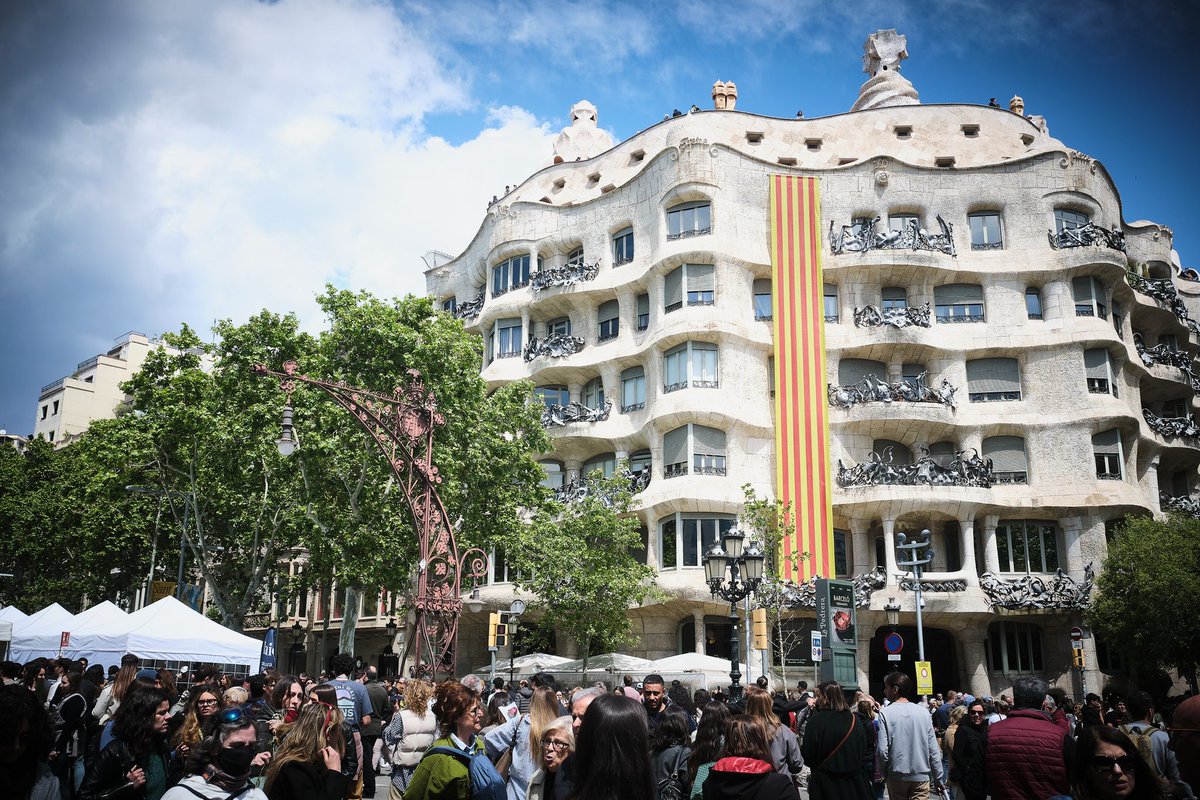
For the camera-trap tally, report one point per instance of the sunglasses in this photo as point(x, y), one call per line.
point(1105, 765)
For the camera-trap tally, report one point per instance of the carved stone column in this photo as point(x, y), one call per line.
point(698, 624)
point(865, 633)
point(573, 468)
point(889, 547)
point(991, 556)
point(1056, 300)
point(526, 329)
point(975, 663)
point(969, 571)
point(1072, 561)
point(861, 545)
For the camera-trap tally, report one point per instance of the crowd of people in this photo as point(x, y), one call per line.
point(72, 730)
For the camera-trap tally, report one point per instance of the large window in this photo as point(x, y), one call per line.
point(643, 312)
point(690, 362)
point(831, 303)
point(895, 297)
point(985, 230)
point(689, 219)
point(593, 393)
point(1033, 302)
point(605, 463)
point(1014, 647)
point(553, 395)
point(622, 247)
point(1027, 546)
point(1089, 297)
point(762, 298)
point(695, 448)
point(1065, 219)
point(510, 274)
point(1007, 453)
point(683, 538)
point(508, 338)
point(609, 316)
point(450, 305)
point(556, 475)
point(1106, 450)
point(853, 370)
point(633, 389)
point(575, 257)
point(560, 326)
point(958, 302)
point(1100, 373)
point(695, 282)
point(993, 379)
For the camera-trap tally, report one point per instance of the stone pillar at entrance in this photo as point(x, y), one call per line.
point(969, 571)
point(698, 624)
point(975, 664)
point(865, 633)
point(991, 556)
point(889, 548)
point(861, 545)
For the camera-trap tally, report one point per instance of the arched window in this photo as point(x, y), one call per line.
point(555, 474)
point(559, 325)
point(605, 463)
point(1100, 373)
point(609, 317)
point(853, 370)
point(762, 299)
point(1106, 449)
point(1033, 302)
point(593, 393)
point(1066, 219)
point(510, 274)
point(633, 389)
point(1090, 297)
point(886, 449)
point(985, 230)
point(942, 453)
point(622, 246)
point(1014, 647)
point(895, 297)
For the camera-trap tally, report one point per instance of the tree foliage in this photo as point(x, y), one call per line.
point(579, 559)
point(1148, 592)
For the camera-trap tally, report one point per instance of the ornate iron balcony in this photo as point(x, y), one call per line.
point(633, 407)
point(576, 490)
point(1163, 292)
point(1033, 591)
point(1180, 505)
point(1171, 427)
point(763, 317)
point(671, 237)
point(804, 595)
point(608, 337)
point(672, 307)
point(622, 260)
point(565, 275)
point(1011, 478)
point(674, 387)
point(1109, 476)
point(470, 309)
point(556, 345)
point(556, 416)
point(709, 470)
point(705, 384)
point(861, 236)
point(831, 317)
point(872, 390)
point(871, 316)
point(952, 585)
point(1088, 235)
point(993, 397)
point(987, 245)
point(675, 470)
point(963, 470)
point(954, 319)
point(1162, 354)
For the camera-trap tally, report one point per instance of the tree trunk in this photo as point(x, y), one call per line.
point(349, 620)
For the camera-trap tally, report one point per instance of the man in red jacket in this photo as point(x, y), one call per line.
point(1028, 754)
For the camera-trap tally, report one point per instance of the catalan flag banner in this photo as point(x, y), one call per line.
point(802, 472)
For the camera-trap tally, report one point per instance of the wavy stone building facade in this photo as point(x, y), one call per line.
point(994, 329)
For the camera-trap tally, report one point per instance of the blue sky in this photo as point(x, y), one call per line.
point(202, 159)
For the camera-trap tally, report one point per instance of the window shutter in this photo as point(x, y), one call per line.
point(673, 289)
point(853, 370)
point(708, 441)
point(831, 290)
point(700, 278)
point(1006, 452)
point(1096, 362)
point(895, 293)
point(1107, 442)
point(633, 372)
point(675, 446)
point(762, 286)
point(942, 453)
point(958, 293)
point(993, 375)
point(643, 304)
point(1083, 289)
point(609, 310)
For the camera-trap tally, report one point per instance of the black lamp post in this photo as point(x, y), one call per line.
point(745, 568)
point(391, 633)
point(297, 637)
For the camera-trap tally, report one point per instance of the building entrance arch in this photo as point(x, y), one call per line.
point(940, 652)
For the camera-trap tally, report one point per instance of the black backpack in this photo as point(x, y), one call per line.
point(672, 787)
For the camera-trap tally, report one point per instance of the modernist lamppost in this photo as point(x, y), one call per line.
point(892, 609)
point(745, 569)
point(920, 555)
point(297, 637)
point(401, 425)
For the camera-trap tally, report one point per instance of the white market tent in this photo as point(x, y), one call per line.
point(101, 617)
point(608, 664)
point(695, 669)
point(166, 630)
point(13, 615)
point(50, 618)
point(526, 664)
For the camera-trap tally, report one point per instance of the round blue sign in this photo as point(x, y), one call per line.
point(894, 642)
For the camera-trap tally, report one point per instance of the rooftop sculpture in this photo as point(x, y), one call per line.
point(582, 139)
point(882, 53)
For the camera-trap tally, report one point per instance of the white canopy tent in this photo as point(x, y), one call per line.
point(13, 615)
point(101, 617)
point(166, 630)
point(526, 664)
point(694, 669)
point(608, 664)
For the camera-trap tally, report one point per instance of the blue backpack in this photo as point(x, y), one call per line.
point(486, 783)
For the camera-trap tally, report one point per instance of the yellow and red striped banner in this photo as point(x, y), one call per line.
point(802, 473)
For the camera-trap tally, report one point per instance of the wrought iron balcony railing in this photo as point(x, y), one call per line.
point(556, 416)
point(556, 345)
point(470, 309)
point(861, 236)
point(1181, 505)
point(872, 390)
point(1162, 354)
point(671, 237)
point(675, 470)
point(1034, 591)
point(871, 316)
point(565, 275)
point(962, 470)
point(1089, 235)
point(1171, 427)
point(1163, 292)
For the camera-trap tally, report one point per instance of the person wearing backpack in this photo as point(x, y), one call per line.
point(669, 753)
point(355, 705)
point(1151, 743)
point(456, 767)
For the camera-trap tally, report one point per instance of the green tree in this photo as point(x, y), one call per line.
point(1148, 592)
point(579, 559)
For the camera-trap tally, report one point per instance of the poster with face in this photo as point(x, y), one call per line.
point(841, 607)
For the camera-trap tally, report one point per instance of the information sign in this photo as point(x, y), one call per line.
point(816, 647)
point(924, 678)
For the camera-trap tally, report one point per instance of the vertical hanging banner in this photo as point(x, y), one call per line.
point(801, 402)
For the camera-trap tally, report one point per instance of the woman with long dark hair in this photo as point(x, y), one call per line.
point(1109, 767)
point(669, 747)
point(746, 770)
point(218, 767)
point(834, 743)
point(326, 695)
point(612, 760)
point(308, 763)
point(137, 755)
point(709, 744)
point(202, 707)
point(25, 741)
point(785, 747)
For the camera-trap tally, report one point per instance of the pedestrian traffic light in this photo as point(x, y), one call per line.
point(493, 623)
point(497, 629)
point(762, 637)
point(1079, 659)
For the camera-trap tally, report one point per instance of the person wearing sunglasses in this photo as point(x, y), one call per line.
point(219, 766)
point(968, 750)
point(558, 742)
point(1108, 767)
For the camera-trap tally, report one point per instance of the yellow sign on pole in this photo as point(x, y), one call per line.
point(161, 589)
point(924, 678)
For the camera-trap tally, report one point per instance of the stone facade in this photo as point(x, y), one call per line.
point(1038, 336)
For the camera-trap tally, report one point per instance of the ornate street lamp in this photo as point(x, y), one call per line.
point(391, 632)
point(745, 568)
point(401, 425)
point(892, 609)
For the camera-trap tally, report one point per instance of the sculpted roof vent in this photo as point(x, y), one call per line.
point(882, 53)
point(582, 139)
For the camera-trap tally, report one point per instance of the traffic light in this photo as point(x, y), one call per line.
point(1079, 659)
point(762, 637)
point(493, 624)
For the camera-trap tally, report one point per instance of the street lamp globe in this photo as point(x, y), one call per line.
point(733, 540)
point(474, 603)
point(287, 441)
point(755, 560)
point(714, 565)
